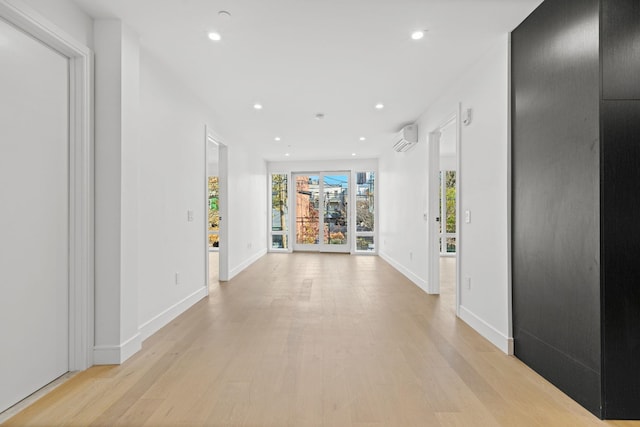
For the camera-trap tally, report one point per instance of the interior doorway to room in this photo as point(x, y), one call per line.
point(444, 199)
point(215, 254)
point(322, 212)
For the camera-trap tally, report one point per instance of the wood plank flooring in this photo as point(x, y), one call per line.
point(314, 340)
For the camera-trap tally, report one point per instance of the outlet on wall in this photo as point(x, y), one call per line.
point(411, 255)
point(177, 278)
point(467, 282)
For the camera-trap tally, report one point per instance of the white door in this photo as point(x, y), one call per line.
point(34, 219)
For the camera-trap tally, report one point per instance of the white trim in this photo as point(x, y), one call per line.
point(421, 283)
point(458, 208)
point(509, 197)
point(433, 211)
point(81, 174)
point(152, 326)
point(207, 138)
point(117, 354)
point(495, 337)
point(223, 211)
point(246, 263)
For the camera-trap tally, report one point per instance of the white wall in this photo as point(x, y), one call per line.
point(403, 201)
point(116, 187)
point(483, 190)
point(247, 208)
point(172, 180)
point(160, 175)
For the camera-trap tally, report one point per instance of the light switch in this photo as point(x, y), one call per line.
point(467, 216)
point(190, 215)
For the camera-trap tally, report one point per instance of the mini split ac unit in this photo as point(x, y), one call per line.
point(406, 138)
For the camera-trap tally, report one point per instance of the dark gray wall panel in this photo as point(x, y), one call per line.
point(621, 49)
point(621, 258)
point(556, 266)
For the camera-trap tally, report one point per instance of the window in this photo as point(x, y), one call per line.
point(365, 211)
point(448, 212)
point(279, 211)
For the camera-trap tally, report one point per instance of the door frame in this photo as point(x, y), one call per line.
point(433, 216)
point(433, 286)
point(223, 232)
point(321, 247)
point(81, 175)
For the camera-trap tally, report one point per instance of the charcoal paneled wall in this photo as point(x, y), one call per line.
point(620, 134)
point(556, 201)
point(576, 200)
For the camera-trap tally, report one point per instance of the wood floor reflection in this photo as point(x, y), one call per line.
point(313, 340)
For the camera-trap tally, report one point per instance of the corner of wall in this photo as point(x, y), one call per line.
point(162, 319)
point(417, 280)
point(495, 337)
point(117, 354)
point(246, 263)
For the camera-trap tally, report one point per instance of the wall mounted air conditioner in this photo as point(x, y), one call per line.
point(406, 138)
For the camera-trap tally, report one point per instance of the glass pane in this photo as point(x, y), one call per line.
point(365, 201)
point(451, 245)
point(279, 202)
point(307, 215)
point(364, 243)
point(279, 241)
point(450, 186)
point(335, 209)
point(214, 217)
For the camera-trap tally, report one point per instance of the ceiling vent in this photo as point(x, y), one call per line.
point(406, 138)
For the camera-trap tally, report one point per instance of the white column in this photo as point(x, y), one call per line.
point(117, 88)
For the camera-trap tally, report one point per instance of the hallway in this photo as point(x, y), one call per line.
point(310, 340)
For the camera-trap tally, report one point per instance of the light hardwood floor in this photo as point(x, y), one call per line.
point(313, 340)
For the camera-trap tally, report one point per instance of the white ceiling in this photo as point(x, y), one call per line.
point(302, 57)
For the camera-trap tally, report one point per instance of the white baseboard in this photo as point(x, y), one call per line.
point(503, 342)
point(421, 283)
point(246, 263)
point(159, 321)
point(116, 354)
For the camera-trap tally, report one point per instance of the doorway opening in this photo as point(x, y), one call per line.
point(322, 212)
point(215, 206)
point(444, 202)
point(448, 202)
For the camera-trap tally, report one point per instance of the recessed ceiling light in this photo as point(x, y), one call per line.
point(417, 35)
point(379, 106)
point(215, 36)
point(286, 154)
point(353, 154)
point(362, 138)
point(277, 138)
point(257, 106)
point(224, 14)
